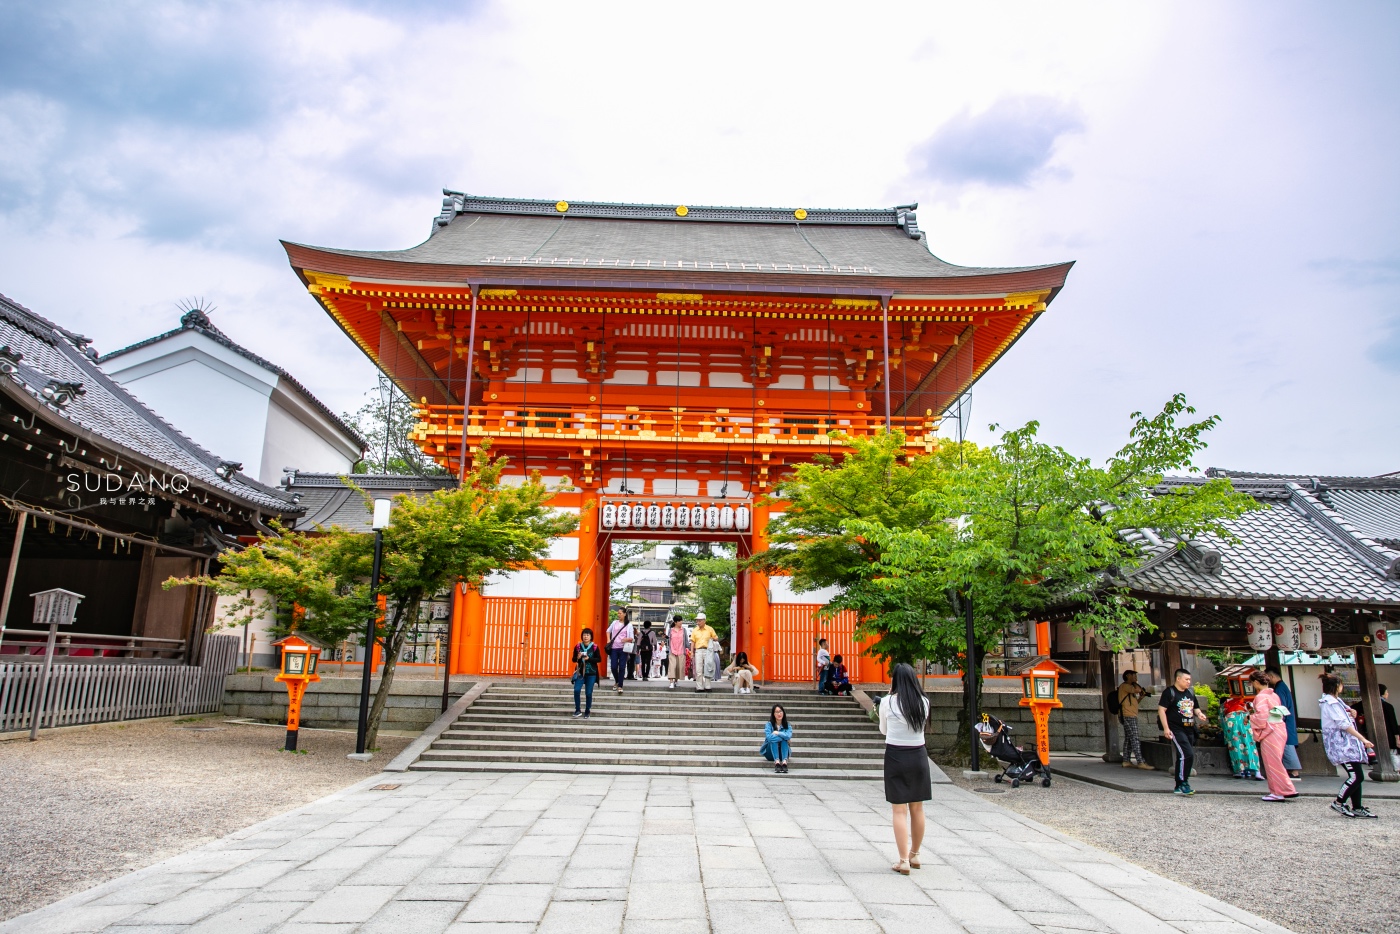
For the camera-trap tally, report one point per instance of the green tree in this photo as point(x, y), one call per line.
point(385, 422)
point(1017, 528)
point(433, 541)
point(707, 574)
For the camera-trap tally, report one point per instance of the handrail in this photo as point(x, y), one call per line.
point(91, 635)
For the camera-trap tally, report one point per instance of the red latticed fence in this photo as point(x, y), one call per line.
point(96, 692)
point(795, 631)
point(527, 635)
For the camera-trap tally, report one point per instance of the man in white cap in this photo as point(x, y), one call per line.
point(701, 637)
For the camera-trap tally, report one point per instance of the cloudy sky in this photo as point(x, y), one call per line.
point(1224, 174)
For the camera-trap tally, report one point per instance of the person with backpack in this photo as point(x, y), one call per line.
point(646, 647)
point(585, 660)
point(621, 642)
point(1124, 703)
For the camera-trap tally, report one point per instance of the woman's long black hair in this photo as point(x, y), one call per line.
point(773, 716)
point(904, 687)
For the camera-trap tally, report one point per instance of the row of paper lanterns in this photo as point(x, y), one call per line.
point(706, 518)
point(1299, 633)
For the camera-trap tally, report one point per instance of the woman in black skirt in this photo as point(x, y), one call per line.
point(903, 713)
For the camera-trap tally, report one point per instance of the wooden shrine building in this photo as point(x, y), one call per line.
point(671, 363)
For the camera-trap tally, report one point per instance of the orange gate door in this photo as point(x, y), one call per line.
point(796, 628)
point(527, 635)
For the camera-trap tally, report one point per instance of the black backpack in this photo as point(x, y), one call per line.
point(1115, 706)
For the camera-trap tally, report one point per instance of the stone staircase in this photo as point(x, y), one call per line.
point(526, 726)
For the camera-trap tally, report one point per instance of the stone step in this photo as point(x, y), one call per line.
point(652, 746)
point(595, 726)
point(708, 760)
point(651, 722)
point(646, 769)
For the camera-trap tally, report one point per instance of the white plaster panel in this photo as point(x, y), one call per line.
point(627, 378)
point(677, 377)
point(532, 584)
point(780, 590)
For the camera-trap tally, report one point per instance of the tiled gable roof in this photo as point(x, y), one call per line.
point(329, 502)
point(103, 408)
point(513, 232)
point(199, 322)
point(1296, 548)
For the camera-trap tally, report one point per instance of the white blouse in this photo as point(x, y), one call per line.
point(892, 724)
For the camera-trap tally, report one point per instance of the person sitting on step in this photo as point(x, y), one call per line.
point(777, 739)
point(840, 682)
point(741, 673)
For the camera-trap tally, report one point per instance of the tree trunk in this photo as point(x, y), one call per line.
point(393, 643)
point(971, 682)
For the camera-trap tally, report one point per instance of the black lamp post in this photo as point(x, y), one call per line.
point(381, 521)
point(971, 687)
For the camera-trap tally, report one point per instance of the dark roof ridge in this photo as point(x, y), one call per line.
point(455, 203)
point(368, 481)
point(1383, 560)
point(197, 321)
point(1382, 481)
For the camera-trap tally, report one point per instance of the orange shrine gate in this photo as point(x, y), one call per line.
point(665, 365)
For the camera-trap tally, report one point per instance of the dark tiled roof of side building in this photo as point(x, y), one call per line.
point(199, 322)
point(106, 410)
point(1296, 548)
point(329, 502)
point(1371, 504)
point(513, 232)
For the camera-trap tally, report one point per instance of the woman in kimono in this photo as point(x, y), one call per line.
point(1272, 736)
point(1234, 723)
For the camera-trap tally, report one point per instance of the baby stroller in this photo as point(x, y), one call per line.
point(1021, 766)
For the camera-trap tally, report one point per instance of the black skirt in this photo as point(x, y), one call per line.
point(907, 776)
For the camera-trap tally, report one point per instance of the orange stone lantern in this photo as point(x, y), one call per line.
point(299, 660)
point(1238, 678)
point(1040, 691)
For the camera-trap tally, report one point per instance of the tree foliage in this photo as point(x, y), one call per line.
point(1020, 528)
point(385, 422)
point(434, 540)
point(706, 577)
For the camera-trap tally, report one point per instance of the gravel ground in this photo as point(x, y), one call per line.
point(1325, 874)
point(83, 806)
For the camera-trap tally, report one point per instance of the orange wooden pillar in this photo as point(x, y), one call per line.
point(760, 616)
point(468, 630)
point(590, 571)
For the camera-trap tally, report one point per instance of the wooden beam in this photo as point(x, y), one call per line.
point(1108, 683)
point(1375, 713)
point(20, 523)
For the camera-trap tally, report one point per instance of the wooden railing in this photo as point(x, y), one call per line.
point(96, 692)
point(34, 642)
point(666, 424)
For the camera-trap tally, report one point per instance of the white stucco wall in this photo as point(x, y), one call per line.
point(233, 407)
point(213, 395)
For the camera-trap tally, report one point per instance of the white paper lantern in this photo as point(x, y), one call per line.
point(1380, 638)
point(639, 516)
point(697, 517)
point(682, 517)
point(1288, 633)
point(1310, 635)
point(653, 517)
point(1260, 631)
point(609, 516)
point(741, 518)
point(668, 517)
point(712, 518)
point(624, 516)
point(726, 518)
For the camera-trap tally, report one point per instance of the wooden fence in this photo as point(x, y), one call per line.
point(528, 635)
point(795, 630)
point(97, 692)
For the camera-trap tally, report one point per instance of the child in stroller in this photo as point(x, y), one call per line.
point(1021, 766)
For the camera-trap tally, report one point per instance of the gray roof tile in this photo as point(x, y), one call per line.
point(108, 411)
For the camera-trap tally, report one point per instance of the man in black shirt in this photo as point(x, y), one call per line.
point(1178, 710)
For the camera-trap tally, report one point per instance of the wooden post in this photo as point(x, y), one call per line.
point(759, 611)
point(1375, 713)
point(590, 574)
point(1108, 675)
point(1171, 659)
point(10, 574)
point(41, 695)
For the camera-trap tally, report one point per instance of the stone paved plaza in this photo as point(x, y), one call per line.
point(587, 854)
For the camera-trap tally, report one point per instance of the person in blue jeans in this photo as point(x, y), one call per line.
point(586, 658)
point(777, 739)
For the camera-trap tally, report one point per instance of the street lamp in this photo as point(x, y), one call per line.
point(379, 524)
